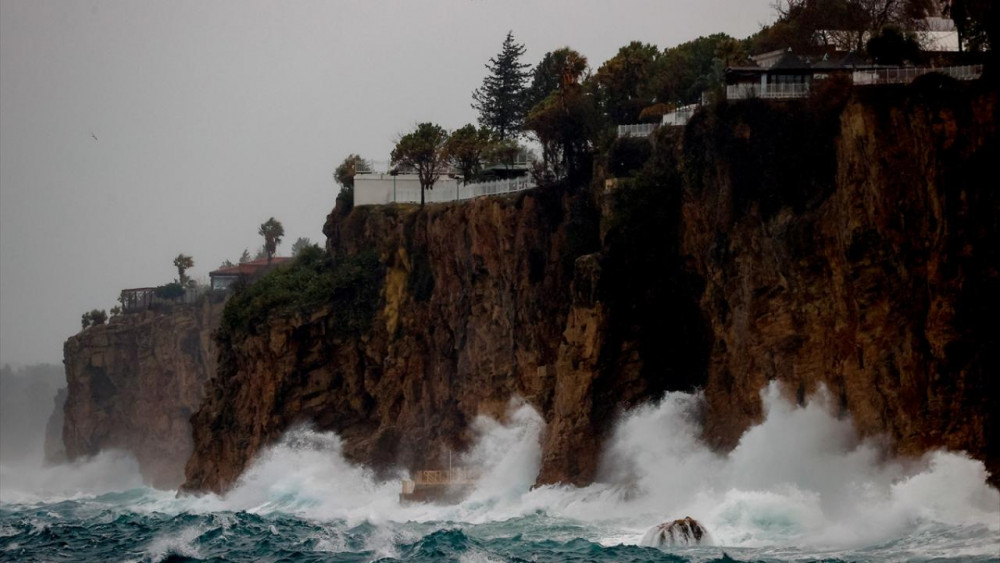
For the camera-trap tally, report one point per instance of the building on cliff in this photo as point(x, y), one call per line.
point(779, 75)
point(246, 272)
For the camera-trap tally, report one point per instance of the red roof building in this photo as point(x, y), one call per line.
point(246, 272)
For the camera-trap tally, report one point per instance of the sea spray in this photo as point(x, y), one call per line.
point(508, 453)
point(24, 481)
point(798, 485)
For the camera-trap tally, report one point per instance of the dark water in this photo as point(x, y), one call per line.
point(799, 487)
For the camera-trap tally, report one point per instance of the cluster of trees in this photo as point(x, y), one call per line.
point(571, 110)
point(94, 318)
point(877, 27)
point(564, 106)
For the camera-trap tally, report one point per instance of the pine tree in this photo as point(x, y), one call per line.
point(500, 101)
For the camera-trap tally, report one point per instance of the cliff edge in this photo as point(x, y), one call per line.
point(848, 240)
point(133, 384)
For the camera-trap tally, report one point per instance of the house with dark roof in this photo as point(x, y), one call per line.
point(784, 75)
point(246, 272)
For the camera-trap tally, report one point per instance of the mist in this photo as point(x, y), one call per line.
point(27, 403)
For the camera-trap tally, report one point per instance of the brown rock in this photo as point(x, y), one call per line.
point(134, 382)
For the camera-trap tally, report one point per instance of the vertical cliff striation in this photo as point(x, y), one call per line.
point(847, 241)
point(470, 310)
point(870, 268)
point(134, 383)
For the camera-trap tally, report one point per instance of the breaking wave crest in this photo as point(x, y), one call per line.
point(798, 485)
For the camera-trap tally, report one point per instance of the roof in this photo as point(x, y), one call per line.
point(248, 268)
point(789, 61)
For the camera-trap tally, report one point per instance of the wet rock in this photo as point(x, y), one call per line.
point(681, 532)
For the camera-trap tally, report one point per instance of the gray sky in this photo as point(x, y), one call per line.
point(211, 117)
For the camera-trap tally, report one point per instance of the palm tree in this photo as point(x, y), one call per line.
point(272, 231)
point(183, 263)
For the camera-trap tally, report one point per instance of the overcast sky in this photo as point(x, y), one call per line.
point(210, 117)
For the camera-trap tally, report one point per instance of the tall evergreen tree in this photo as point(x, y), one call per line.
point(500, 101)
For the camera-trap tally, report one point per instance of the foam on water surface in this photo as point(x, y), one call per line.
point(799, 485)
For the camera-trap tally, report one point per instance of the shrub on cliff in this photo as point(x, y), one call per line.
point(172, 290)
point(350, 287)
point(93, 318)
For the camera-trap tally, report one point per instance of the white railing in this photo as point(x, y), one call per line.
point(907, 75)
point(766, 92)
point(863, 77)
point(379, 189)
point(637, 129)
point(680, 116)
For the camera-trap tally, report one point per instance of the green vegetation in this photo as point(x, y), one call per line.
point(93, 318)
point(466, 148)
point(423, 150)
point(183, 263)
point(272, 231)
point(976, 21)
point(351, 287)
point(892, 46)
point(843, 23)
point(300, 245)
point(344, 175)
point(500, 101)
point(566, 120)
point(170, 291)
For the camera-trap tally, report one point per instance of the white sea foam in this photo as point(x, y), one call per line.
point(798, 484)
point(30, 481)
point(801, 479)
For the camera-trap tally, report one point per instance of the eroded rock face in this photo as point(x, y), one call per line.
point(473, 311)
point(879, 279)
point(681, 532)
point(885, 290)
point(134, 383)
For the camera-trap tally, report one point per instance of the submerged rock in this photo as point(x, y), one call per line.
point(685, 531)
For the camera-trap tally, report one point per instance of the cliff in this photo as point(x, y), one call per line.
point(847, 241)
point(875, 273)
point(468, 308)
point(133, 384)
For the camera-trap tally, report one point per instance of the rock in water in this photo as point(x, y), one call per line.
point(683, 532)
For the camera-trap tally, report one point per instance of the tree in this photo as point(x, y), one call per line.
point(547, 76)
point(183, 263)
point(344, 175)
point(227, 264)
point(503, 152)
point(299, 245)
point(500, 101)
point(892, 47)
point(245, 257)
point(352, 165)
point(422, 150)
point(846, 24)
point(976, 22)
point(272, 231)
point(93, 318)
point(466, 148)
point(623, 82)
point(566, 120)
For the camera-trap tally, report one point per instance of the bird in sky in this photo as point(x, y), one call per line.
point(93, 135)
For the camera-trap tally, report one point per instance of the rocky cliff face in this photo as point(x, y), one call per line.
point(850, 245)
point(881, 283)
point(471, 311)
point(134, 383)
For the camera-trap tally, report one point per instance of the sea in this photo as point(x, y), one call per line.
point(800, 486)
